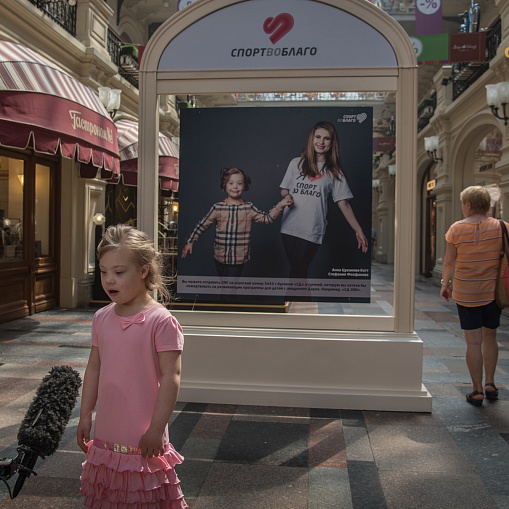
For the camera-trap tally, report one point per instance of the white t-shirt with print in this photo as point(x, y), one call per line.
point(306, 219)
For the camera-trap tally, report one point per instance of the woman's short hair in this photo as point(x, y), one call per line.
point(479, 198)
point(226, 173)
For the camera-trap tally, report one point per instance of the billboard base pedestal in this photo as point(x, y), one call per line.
point(308, 369)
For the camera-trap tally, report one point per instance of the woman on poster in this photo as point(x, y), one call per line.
point(309, 180)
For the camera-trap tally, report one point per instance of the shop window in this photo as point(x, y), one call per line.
point(12, 178)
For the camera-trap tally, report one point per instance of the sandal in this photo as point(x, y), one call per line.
point(475, 402)
point(491, 394)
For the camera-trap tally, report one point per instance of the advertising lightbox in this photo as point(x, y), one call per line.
point(241, 238)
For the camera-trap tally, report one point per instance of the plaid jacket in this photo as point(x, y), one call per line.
point(233, 229)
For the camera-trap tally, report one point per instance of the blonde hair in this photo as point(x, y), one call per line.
point(479, 198)
point(143, 253)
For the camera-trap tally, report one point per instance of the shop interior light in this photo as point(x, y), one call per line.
point(431, 147)
point(497, 96)
point(98, 219)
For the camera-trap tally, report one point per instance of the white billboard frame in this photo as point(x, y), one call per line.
point(234, 338)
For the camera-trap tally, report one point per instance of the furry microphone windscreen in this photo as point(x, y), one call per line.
point(50, 411)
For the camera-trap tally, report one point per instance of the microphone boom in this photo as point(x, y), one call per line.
point(44, 424)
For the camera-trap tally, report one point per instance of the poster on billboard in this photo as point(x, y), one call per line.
point(275, 204)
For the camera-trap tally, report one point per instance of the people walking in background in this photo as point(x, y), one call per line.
point(373, 241)
point(309, 180)
point(233, 217)
point(133, 375)
point(474, 247)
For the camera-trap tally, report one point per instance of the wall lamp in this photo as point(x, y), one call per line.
point(392, 171)
point(496, 96)
point(375, 184)
point(110, 99)
point(98, 219)
point(431, 147)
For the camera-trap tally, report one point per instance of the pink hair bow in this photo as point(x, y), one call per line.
point(127, 321)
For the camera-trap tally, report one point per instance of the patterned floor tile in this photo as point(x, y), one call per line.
point(265, 443)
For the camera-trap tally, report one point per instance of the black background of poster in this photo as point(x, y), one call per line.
point(262, 142)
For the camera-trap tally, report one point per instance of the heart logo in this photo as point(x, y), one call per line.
point(361, 117)
point(278, 26)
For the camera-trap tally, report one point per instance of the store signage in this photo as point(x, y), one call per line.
point(431, 49)
point(467, 47)
point(428, 17)
point(278, 26)
point(81, 124)
point(184, 3)
point(277, 34)
point(384, 144)
point(493, 145)
point(431, 184)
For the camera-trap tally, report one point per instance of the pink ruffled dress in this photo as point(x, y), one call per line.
point(115, 475)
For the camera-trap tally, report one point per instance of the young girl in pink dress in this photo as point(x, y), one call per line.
point(133, 376)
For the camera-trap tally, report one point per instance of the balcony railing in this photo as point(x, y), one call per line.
point(127, 65)
point(425, 111)
point(60, 12)
point(468, 73)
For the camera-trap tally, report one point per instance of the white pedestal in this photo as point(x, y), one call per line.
point(298, 368)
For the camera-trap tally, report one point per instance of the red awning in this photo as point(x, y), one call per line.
point(128, 150)
point(40, 100)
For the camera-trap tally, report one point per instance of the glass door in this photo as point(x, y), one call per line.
point(14, 267)
point(28, 227)
point(45, 273)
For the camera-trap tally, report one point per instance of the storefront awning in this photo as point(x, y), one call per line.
point(40, 100)
point(128, 150)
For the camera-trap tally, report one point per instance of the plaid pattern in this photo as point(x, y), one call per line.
point(479, 246)
point(233, 229)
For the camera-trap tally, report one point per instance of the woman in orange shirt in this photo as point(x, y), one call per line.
point(474, 247)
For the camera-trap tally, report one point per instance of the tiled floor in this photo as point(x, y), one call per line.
point(268, 457)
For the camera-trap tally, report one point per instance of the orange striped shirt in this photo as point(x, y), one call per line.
point(479, 247)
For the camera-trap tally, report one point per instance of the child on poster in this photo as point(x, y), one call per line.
point(233, 217)
point(133, 375)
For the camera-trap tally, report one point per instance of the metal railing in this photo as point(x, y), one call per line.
point(60, 12)
point(476, 70)
point(114, 46)
point(423, 121)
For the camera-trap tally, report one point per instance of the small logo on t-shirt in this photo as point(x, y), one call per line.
point(316, 177)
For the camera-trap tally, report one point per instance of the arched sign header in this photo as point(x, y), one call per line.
point(277, 34)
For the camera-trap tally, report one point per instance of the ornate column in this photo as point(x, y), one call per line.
point(92, 18)
point(444, 93)
point(443, 191)
point(500, 66)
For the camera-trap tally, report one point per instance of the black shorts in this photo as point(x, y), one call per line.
point(480, 316)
